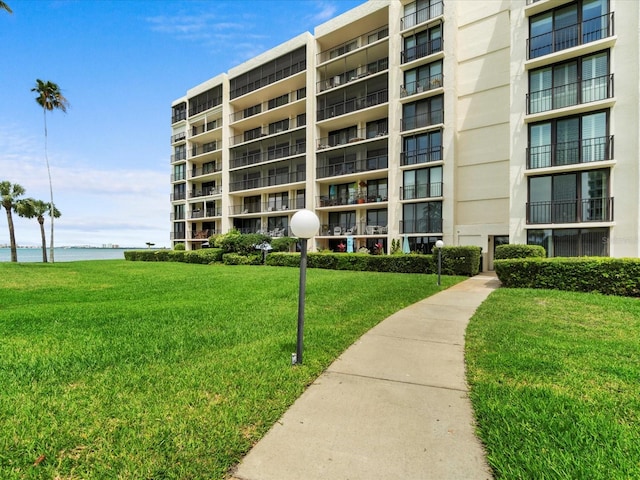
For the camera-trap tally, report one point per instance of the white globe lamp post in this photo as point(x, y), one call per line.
point(304, 225)
point(439, 245)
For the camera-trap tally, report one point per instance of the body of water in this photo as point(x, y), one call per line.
point(65, 254)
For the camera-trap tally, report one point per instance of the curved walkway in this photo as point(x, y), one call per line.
point(393, 406)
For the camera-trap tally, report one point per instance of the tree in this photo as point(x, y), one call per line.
point(49, 98)
point(4, 6)
point(32, 208)
point(10, 195)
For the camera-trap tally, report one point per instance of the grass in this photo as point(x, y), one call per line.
point(555, 384)
point(115, 369)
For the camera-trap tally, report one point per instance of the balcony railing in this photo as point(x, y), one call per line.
point(587, 31)
point(353, 44)
point(178, 137)
point(273, 77)
point(205, 148)
point(174, 197)
point(176, 216)
point(176, 157)
point(423, 120)
point(268, 181)
point(423, 225)
point(338, 201)
point(353, 137)
point(347, 229)
point(201, 107)
point(354, 104)
point(176, 177)
point(427, 190)
point(205, 170)
point(353, 75)
point(424, 49)
point(269, 154)
point(421, 15)
point(268, 105)
point(353, 166)
point(273, 233)
point(200, 129)
point(570, 211)
point(419, 86)
point(177, 236)
point(207, 192)
point(570, 153)
point(424, 155)
point(181, 115)
point(259, 133)
point(206, 213)
point(202, 234)
point(585, 91)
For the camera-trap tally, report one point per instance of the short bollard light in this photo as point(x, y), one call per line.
point(439, 245)
point(304, 225)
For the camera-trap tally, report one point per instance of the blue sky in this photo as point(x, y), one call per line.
point(120, 63)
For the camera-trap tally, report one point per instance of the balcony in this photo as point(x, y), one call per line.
point(272, 153)
point(570, 36)
point(206, 127)
point(570, 153)
point(355, 229)
point(427, 190)
point(268, 105)
point(202, 234)
point(359, 73)
point(178, 137)
point(352, 136)
point(176, 216)
point(423, 120)
point(577, 93)
point(424, 155)
point(354, 104)
point(177, 236)
point(205, 148)
point(570, 211)
point(182, 155)
point(206, 105)
point(419, 86)
point(324, 201)
point(174, 197)
point(261, 132)
point(423, 50)
point(267, 181)
point(353, 44)
point(206, 192)
point(206, 169)
point(349, 166)
point(176, 177)
point(421, 15)
point(206, 213)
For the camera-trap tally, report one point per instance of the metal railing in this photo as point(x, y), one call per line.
point(354, 104)
point(358, 136)
point(423, 225)
point(174, 197)
point(205, 148)
point(352, 75)
point(587, 31)
point(200, 129)
point(570, 211)
point(427, 190)
point(423, 155)
point(353, 44)
point(270, 104)
point(337, 201)
point(206, 213)
point(267, 181)
point(205, 170)
point(201, 107)
point(201, 234)
point(421, 15)
point(424, 49)
point(269, 154)
point(353, 166)
point(178, 137)
point(576, 93)
point(208, 192)
point(176, 177)
point(176, 157)
point(422, 120)
point(569, 153)
point(259, 133)
point(284, 72)
point(419, 86)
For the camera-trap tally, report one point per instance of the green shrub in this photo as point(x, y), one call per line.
point(609, 276)
point(178, 246)
point(283, 244)
point(237, 259)
point(519, 251)
point(459, 260)
point(204, 256)
point(243, 244)
point(357, 261)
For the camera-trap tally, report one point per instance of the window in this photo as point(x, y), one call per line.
point(178, 212)
point(340, 137)
point(377, 158)
point(300, 198)
point(424, 217)
point(280, 126)
point(570, 83)
point(422, 183)
point(278, 201)
point(180, 152)
point(568, 26)
point(423, 113)
point(572, 242)
point(377, 218)
point(423, 148)
point(179, 172)
point(377, 190)
point(178, 112)
point(422, 44)
point(570, 198)
point(342, 220)
point(205, 100)
point(570, 140)
point(278, 176)
point(252, 134)
point(377, 128)
point(279, 101)
point(420, 11)
point(422, 79)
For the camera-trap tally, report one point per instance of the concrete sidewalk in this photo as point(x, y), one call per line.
point(393, 406)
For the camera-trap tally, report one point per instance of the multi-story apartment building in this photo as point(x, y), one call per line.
point(478, 123)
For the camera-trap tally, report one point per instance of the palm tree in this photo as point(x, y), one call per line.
point(32, 208)
point(10, 195)
point(49, 98)
point(4, 6)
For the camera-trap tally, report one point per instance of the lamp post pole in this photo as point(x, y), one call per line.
point(439, 245)
point(304, 225)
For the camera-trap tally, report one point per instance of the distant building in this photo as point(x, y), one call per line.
point(479, 123)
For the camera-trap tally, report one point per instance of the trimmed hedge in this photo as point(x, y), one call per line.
point(238, 259)
point(609, 276)
point(520, 251)
point(203, 256)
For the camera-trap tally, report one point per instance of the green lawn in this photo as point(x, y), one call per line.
point(555, 384)
point(133, 370)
